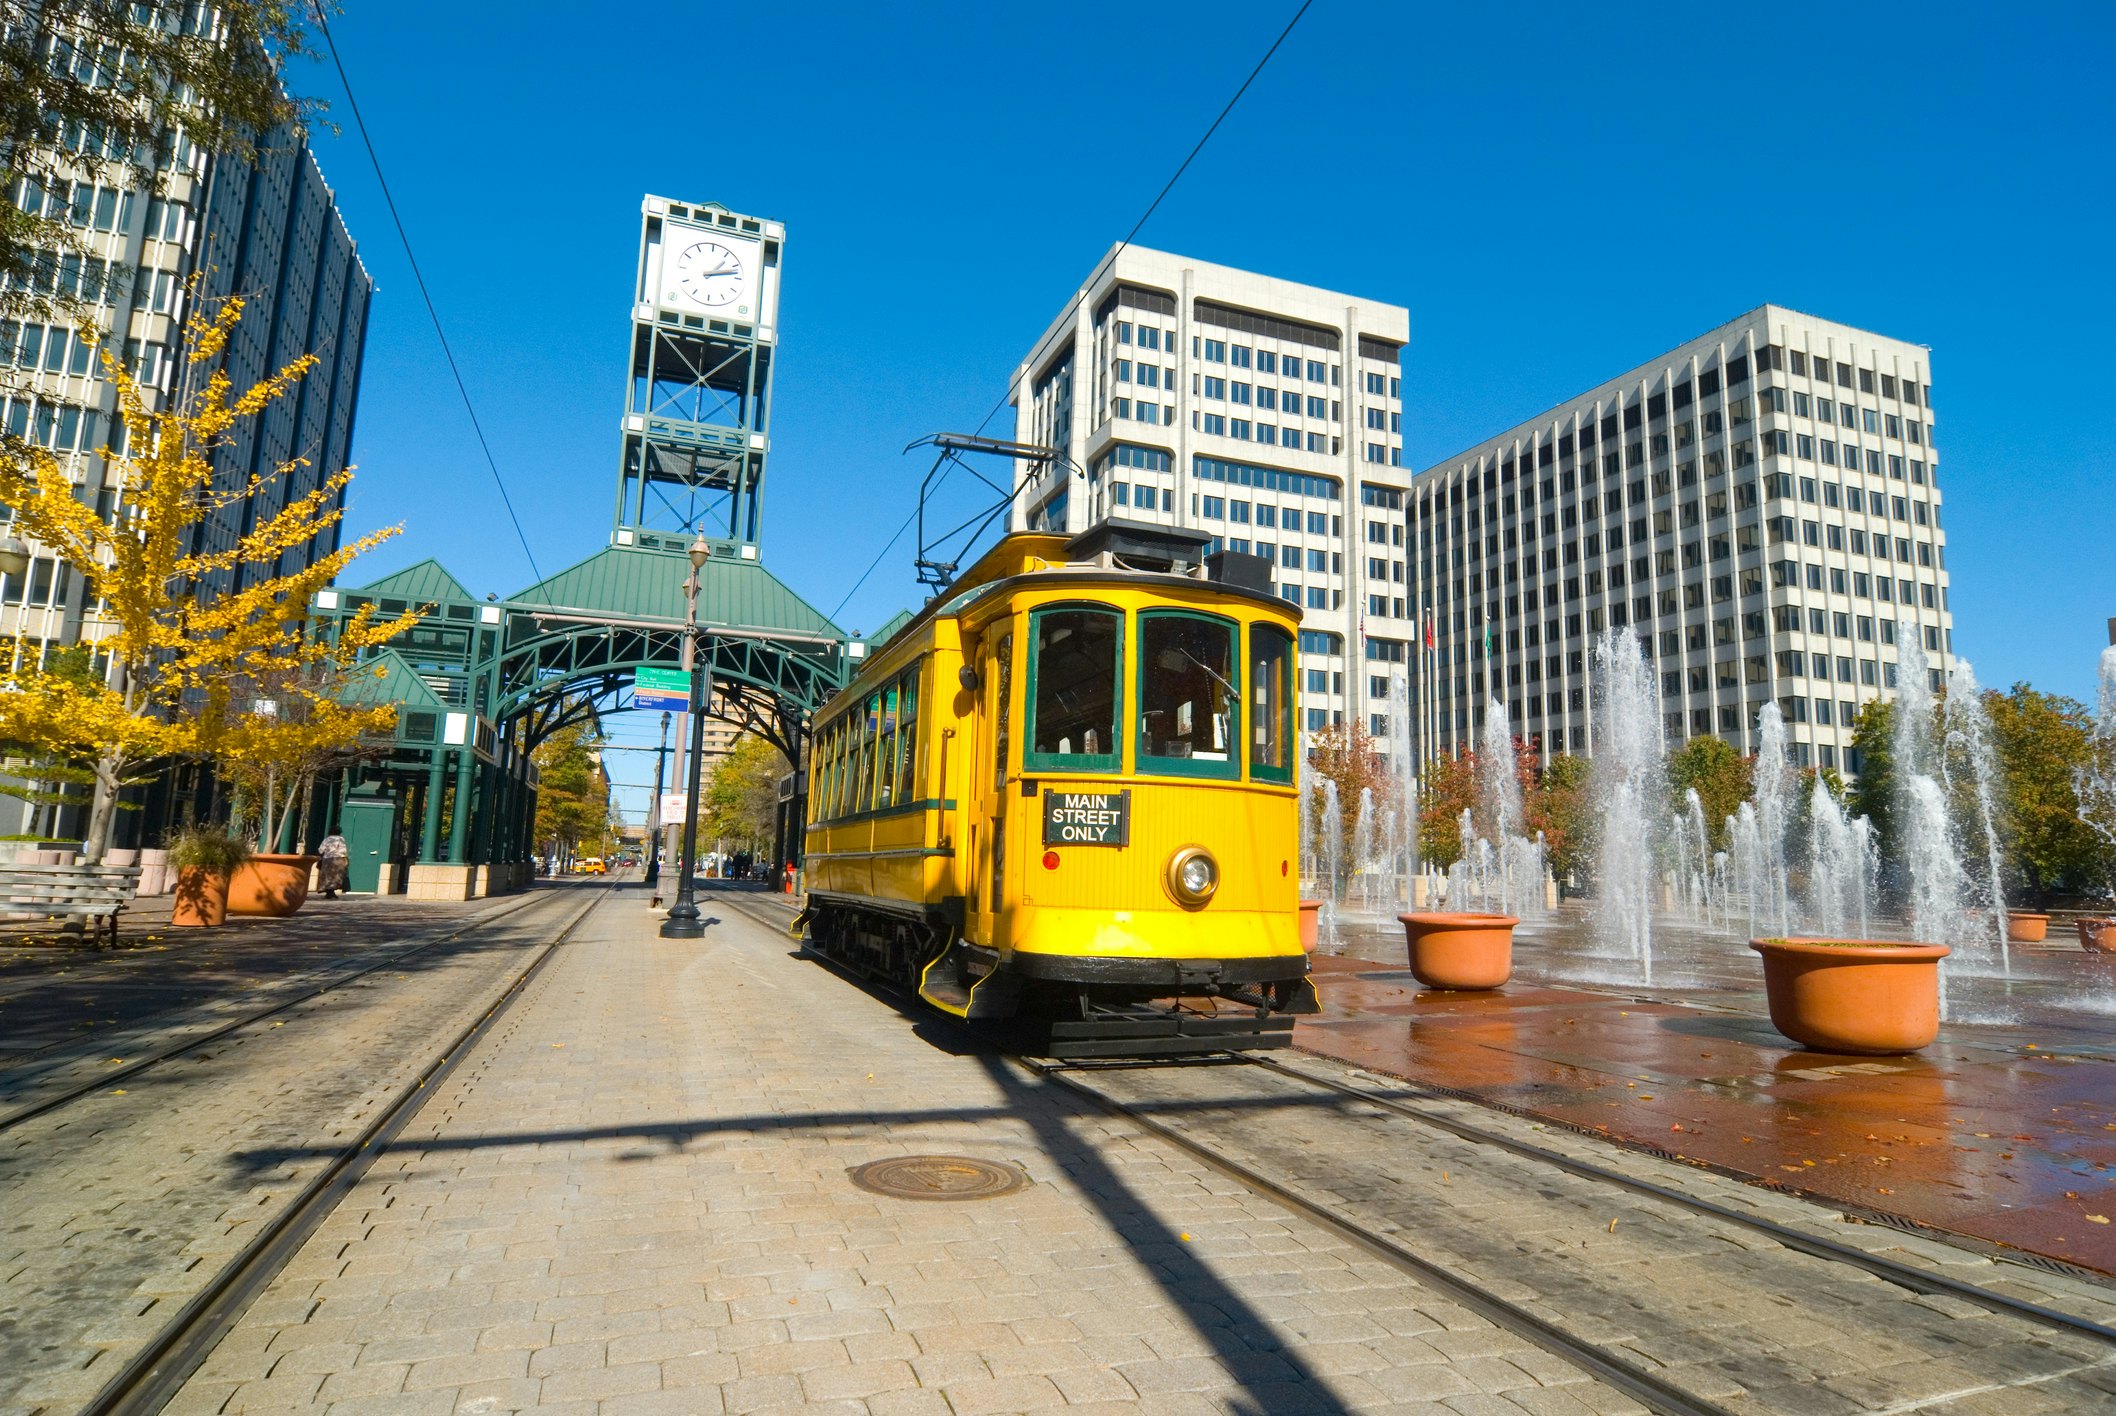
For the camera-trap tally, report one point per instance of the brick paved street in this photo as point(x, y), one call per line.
point(1729, 1314)
point(66, 1006)
point(119, 1205)
point(634, 1199)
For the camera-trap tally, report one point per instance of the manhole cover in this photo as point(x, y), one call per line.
point(938, 1177)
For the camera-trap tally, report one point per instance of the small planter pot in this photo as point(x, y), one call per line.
point(270, 885)
point(1463, 951)
point(2027, 928)
point(1854, 996)
point(1310, 921)
point(201, 897)
point(2098, 936)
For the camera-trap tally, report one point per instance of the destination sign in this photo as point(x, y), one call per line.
point(1086, 818)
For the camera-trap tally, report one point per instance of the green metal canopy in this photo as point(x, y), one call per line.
point(425, 581)
point(634, 582)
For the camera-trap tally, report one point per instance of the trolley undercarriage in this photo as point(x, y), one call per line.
point(1068, 1006)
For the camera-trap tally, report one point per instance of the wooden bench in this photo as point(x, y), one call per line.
point(76, 891)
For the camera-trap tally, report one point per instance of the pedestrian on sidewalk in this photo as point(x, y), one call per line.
point(332, 858)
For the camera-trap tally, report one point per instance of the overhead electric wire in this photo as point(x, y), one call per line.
point(424, 294)
point(1119, 249)
point(1107, 261)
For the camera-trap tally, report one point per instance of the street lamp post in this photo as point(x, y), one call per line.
point(684, 921)
point(654, 823)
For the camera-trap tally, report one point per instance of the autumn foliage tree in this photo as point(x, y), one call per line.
point(742, 795)
point(1720, 776)
point(1560, 809)
point(2044, 743)
point(185, 620)
point(573, 793)
point(1344, 754)
point(1446, 790)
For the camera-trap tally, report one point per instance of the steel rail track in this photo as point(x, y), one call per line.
point(159, 1370)
point(1635, 1381)
point(102, 1080)
point(1894, 1271)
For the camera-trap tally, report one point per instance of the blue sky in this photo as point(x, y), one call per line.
point(1556, 193)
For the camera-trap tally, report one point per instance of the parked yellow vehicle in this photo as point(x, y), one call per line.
point(1063, 795)
point(594, 865)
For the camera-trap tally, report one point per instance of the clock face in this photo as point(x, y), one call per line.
point(709, 274)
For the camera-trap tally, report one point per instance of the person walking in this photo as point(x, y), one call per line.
point(332, 858)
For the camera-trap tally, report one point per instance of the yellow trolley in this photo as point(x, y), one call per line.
point(1063, 799)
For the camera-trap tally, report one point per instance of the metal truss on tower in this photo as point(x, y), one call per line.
point(697, 421)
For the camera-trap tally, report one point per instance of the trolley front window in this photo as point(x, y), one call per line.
point(1270, 703)
point(1189, 697)
point(1073, 689)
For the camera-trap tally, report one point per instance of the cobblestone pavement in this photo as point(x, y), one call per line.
point(63, 1003)
point(1728, 1314)
point(634, 1198)
point(119, 1205)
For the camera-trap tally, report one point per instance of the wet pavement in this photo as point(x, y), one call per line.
point(2004, 1130)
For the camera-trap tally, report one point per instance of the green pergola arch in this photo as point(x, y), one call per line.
point(481, 682)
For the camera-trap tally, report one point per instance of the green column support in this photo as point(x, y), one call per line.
point(430, 829)
point(459, 819)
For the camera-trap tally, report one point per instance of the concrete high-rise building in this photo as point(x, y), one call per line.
point(218, 226)
point(1761, 505)
point(1264, 413)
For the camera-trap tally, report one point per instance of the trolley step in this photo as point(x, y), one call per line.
point(1160, 1034)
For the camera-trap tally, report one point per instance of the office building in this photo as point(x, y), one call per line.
point(1264, 413)
point(270, 233)
point(1761, 505)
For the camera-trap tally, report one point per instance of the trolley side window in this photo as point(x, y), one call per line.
point(1002, 708)
point(885, 793)
point(841, 767)
point(1189, 695)
point(1073, 699)
point(1270, 703)
point(824, 762)
point(870, 724)
point(907, 738)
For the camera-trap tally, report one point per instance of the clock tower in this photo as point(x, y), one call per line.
point(697, 416)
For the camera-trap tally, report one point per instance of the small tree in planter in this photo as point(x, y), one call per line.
point(280, 730)
point(204, 858)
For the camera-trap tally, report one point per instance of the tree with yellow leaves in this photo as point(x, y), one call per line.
point(286, 726)
point(179, 652)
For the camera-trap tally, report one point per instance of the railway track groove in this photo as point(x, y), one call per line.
point(102, 1081)
point(159, 1369)
point(2030, 1343)
point(1913, 1277)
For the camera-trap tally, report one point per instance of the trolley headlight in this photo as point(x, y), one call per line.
point(1193, 875)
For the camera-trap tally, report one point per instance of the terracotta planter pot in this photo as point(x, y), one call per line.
point(1310, 920)
point(1853, 996)
point(1460, 950)
point(201, 897)
point(270, 885)
point(2098, 936)
point(2027, 928)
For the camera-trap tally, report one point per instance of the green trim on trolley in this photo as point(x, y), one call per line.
point(908, 808)
point(1033, 761)
point(1227, 771)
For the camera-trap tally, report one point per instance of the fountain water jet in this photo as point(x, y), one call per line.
point(1966, 725)
point(1773, 791)
point(2095, 783)
point(1629, 793)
